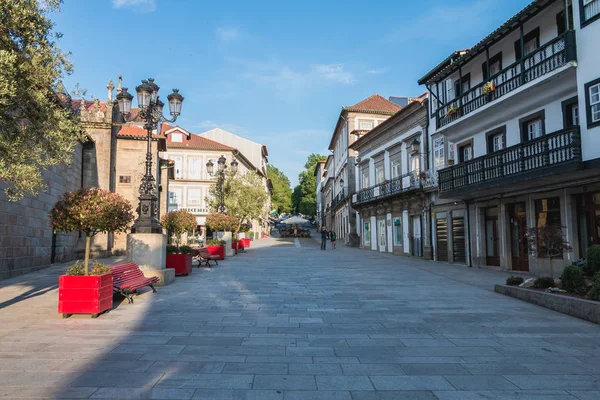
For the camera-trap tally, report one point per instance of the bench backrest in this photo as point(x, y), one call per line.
point(203, 252)
point(124, 273)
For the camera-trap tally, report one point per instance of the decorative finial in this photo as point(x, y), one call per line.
point(120, 86)
point(110, 88)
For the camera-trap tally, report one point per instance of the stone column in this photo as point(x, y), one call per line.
point(149, 251)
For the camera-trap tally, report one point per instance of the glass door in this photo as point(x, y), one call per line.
point(491, 236)
point(517, 218)
point(382, 235)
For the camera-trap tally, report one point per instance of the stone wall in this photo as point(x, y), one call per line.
point(25, 233)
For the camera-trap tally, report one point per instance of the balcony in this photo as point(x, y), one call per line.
point(339, 198)
point(404, 184)
point(546, 156)
point(544, 60)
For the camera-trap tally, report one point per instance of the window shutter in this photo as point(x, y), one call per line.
point(518, 50)
point(449, 90)
point(484, 70)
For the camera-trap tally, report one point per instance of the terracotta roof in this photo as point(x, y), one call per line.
point(89, 104)
point(375, 103)
point(194, 142)
point(135, 131)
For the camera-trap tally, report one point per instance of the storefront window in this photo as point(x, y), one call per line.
point(397, 231)
point(547, 214)
point(367, 229)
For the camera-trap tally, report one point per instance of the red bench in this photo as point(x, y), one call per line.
point(204, 257)
point(128, 278)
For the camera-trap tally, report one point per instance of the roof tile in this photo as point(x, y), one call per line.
point(375, 103)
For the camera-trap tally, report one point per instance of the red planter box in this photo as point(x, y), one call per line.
point(234, 247)
point(241, 245)
point(181, 263)
point(84, 294)
point(246, 242)
point(217, 251)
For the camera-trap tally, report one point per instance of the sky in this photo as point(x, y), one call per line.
point(276, 72)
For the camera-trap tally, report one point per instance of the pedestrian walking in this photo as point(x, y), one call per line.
point(323, 238)
point(333, 237)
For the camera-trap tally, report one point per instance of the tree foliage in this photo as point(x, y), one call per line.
point(221, 222)
point(304, 197)
point(37, 129)
point(281, 199)
point(91, 211)
point(179, 222)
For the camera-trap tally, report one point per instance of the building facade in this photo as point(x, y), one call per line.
point(320, 180)
point(514, 137)
point(392, 180)
point(352, 121)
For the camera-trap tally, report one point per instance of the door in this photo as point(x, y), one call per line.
point(417, 248)
point(382, 235)
point(518, 238)
point(441, 235)
point(491, 237)
point(588, 210)
point(459, 253)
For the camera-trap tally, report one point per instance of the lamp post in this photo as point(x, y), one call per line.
point(220, 174)
point(151, 113)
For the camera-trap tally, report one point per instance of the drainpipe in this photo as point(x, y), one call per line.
point(468, 235)
point(431, 220)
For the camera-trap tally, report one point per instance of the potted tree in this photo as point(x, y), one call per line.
point(548, 242)
point(218, 222)
point(90, 211)
point(177, 223)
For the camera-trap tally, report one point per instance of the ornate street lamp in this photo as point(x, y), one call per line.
point(151, 113)
point(220, 174)
point(415, 146)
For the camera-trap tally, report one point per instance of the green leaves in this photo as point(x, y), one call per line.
point(91, 211)
point(179, 221)
point(304, 196)
point(281, 199)
point(220, 222)
point(37, 129)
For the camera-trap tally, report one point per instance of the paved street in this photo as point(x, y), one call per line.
point(288, 321)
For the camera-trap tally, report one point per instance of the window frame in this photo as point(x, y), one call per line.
point(531, 35)
point(493, 133)
point(566, 106)
point(582, 19)
point(365, 122)
point(460, 147)
point(497, 58)
point(443, 153)
point(395, 231)
point(529, 118)
point(588, 104)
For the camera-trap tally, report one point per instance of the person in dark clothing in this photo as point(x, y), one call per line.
point(323, 238)
point(333, 237)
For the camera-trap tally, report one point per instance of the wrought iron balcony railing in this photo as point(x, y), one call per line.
point(340, 197)
point(535, 156)
point(406, 183)
point(542, 61)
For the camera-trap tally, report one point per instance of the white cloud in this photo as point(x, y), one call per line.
point(227, 34)
point(377, 71)
point(137, 5)
point(334, 73)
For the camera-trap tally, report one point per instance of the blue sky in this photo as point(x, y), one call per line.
point(276, 72)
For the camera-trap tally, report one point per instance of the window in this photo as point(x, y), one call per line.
point(560, 21)
point(366, 126)
point(367, 234)
point(531, 42)
point(125, 179)
point(379, 175)
point(532, 126)
point(194, 197)
point(438, 153)
point(365, 178)
point(496, 140)
point(570, 110)
point(194, 167)
point(592, 99)
point(177, 137)
point(464, 86)
point(178, 167)
point(398, 231)
point(465, 152)
point(495, 66)
point(547, 214)
point(175, 196)
point(449, 90)
point(589, 10)
point(415, 164)
point(396, 168)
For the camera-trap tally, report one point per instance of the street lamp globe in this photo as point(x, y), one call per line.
point(175, 101)
point(221, 163)
point(158, 107)
point(342, 183)
point(234, 166)
point(210, 167)
point(154, 88)
point(124, 101)
point(415, 146)
point(144, 94)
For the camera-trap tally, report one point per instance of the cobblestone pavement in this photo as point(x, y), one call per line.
point(288, 321)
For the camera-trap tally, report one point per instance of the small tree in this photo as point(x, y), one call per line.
point(221, 222)
point(91, 211)
point(548, 242)
point(178, 222)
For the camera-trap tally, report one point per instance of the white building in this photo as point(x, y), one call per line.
point(515, 138)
